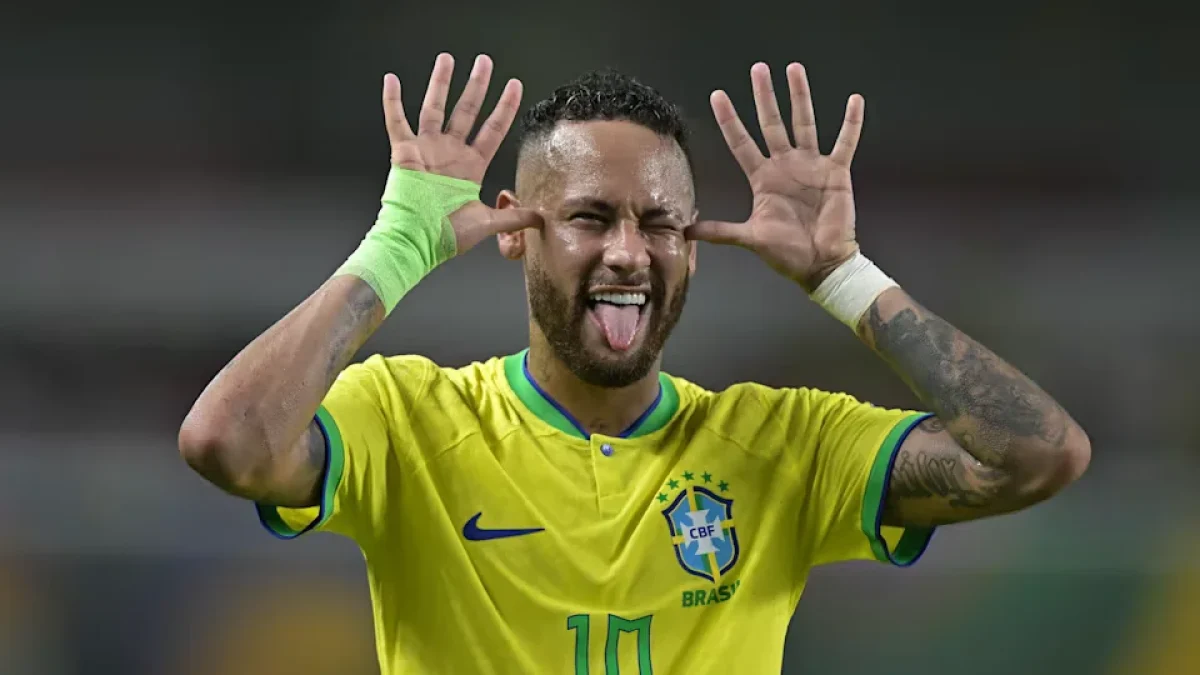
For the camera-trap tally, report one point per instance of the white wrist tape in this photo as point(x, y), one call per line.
point(850, 290)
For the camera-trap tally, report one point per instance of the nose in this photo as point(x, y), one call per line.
point(625, 247)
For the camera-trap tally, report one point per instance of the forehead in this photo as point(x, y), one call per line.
point(616, 162)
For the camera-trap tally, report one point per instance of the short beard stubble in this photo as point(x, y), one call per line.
point(561, 320)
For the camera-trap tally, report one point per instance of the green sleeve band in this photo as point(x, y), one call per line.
point(412, 234)
point(914, 540)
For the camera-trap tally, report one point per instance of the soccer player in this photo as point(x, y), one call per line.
point(571, 508)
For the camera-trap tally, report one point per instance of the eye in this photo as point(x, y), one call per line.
point(588, 221)
point(661, 227)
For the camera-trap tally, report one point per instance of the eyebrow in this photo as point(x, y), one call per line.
point(602, 206)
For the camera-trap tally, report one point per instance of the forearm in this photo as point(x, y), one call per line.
point(260, 405)
point(992, 410)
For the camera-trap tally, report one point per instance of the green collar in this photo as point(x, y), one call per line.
point(540, 403)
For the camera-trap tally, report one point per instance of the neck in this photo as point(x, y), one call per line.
point(601, 410)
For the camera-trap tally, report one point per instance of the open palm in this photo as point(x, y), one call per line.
point(802, 219)
point(440, 146)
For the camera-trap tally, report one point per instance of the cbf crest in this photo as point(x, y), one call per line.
point(700, 520)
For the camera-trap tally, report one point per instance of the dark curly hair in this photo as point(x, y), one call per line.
point(605, 95)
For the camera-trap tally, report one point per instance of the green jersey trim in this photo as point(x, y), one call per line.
point(538, 402)
point(660, 412)
point(335, 466)
point(915, 539)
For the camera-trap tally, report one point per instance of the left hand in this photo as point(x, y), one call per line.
point(802, 220)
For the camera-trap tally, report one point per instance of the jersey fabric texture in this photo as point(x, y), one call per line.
point(500, 538)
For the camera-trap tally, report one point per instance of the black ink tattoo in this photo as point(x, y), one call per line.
point(935, 482)
point(926, 475)
point(314, 442)
point(932, 425)
point(987, 405)
point(362, 316)
point(999, 442)
point(314, 445)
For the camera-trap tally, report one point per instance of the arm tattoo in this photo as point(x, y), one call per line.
point(315, 457)
point(314, 447)
point(361, 317)
point(989, 407)
point(944, 474)
point(932, 476)
point(937, 474)
point(356, 320)
point(307, 468)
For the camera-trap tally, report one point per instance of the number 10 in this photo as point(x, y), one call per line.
point(581, 624)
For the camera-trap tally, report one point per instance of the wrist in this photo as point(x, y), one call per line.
point(848, 291)
point(814, 280)
point(412, 233)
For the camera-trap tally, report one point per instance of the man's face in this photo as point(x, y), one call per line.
point(607, 276)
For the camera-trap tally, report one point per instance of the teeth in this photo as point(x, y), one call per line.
point(620, 298)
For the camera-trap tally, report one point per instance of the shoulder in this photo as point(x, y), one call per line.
point(758, 403)
point(420, 375)
point(412, 392)
point(427, 405)
point(759, 418)
point(406, 370)
point(796, 422)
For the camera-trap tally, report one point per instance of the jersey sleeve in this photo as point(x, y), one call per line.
point(851, 449)
point(362, 419)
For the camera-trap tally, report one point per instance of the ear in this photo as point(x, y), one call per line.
point(512, 244)
point(692, 246)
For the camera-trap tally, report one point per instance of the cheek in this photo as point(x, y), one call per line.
point(568, 241)
point(674, 253)
point(565, 251)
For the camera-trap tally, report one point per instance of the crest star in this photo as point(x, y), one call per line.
point(707, 477)
point(722, 486)
point(672, 483)
point(688, 475)
point(662, 497)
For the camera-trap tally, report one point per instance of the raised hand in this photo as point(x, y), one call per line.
point(802, 219)
point(440, 146)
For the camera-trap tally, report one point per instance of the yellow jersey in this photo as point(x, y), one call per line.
point(500, 538)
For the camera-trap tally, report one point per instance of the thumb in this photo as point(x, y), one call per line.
point(717, 232)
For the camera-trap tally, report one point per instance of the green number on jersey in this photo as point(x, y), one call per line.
point(581, 624)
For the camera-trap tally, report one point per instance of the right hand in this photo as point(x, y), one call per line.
point(441, 148)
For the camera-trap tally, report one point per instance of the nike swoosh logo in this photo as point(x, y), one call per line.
point(473, 532)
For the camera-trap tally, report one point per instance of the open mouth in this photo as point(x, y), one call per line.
point(619, 315)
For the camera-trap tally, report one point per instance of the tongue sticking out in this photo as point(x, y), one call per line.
point(620, 324)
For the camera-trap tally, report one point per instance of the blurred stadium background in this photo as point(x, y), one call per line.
point(176, 176)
